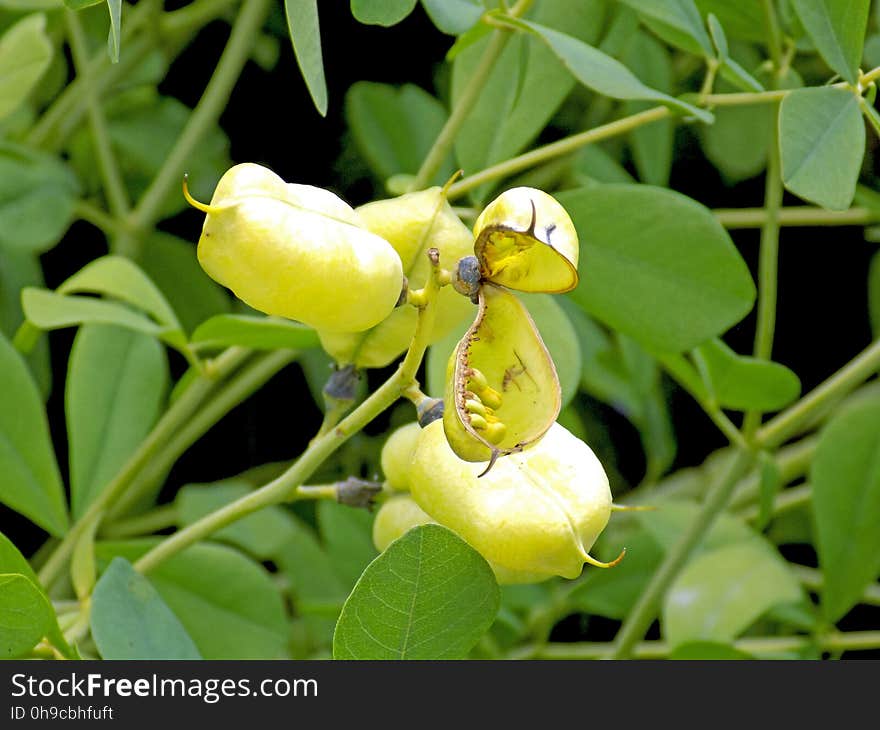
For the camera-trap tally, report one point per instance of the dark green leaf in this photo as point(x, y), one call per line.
point(381, 12)
point(702, 650)
point(25, 54)
point(305, 34)
point(262, 534)
point(742, 383)
point(652, 143)
point(37, 194)
point(605, 75)
point(719, 38)
point(25, 615)
point(676, 21)
point(130, 620)
point(347, 534)
point(742, 19)
point(29, 478)
point(395, 127)
point(116, 383)
point(227, 603)
point(657, 265)
point(172, 264)
point(845, 476)
point(594, 165)
point(822, 142)
point(20, 269)
point(720, 593)
point(837, 27)
point(453, 17)
point(428, 596)
point(266, 333)
point(12, 561)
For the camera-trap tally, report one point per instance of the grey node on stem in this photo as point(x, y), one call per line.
point(466, 277)
point(354, 492)
point(429, 410)
point(342, 384)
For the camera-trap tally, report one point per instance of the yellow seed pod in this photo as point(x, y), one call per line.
point(526, 241)
point(412, 224)
point(502, 390)
point(400, 514)
point(537, 512)
point(297, 251)
point(397, 455)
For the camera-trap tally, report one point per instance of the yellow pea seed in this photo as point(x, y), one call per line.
point(478, 422)
point(473, 405)
point(491, 398)
point(495, 432)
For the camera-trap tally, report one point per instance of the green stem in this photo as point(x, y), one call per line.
point(98, 217)
point(645, 609)
point(805, 215)
point(235, 390)
point(747, 98)
point(785, 501)
point(555, 149)
point(835, 641)
point(774, 34)
point(173, 419)
point(788, 423)
point(203, 117)
point(285, 486)
point(768, 267)
point(465, 103)
point(160, 518)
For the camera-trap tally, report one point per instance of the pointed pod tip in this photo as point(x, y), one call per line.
point(599, 564)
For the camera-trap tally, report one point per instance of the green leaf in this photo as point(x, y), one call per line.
point(122, 279)
point(845, 475)
point(227, 603)
point(25, 615)
point(874, 294)
point(262, 534)
point(19, 269)
point(25, 54)
point(130, 620)
point(837, 28)
point(453, 17)
point(172, 264)
point(676, 21)
point(526, 87)
point(651, 144)
point(719, 38)
point(115, 8)
point(29, 478)
point(116, 384)
point(613, 593)
point(605, 75)
point(394, 128)
point(37, 195)
point(743, 383)
point(313, 578)
point(348, 539)
point(428, 596)
point(305, 34)
point(703, 650)
point(722, 592)
point(381, 12)
point(822, 142)
point(264, 333)
point(667, 523)
point(81, 4)
point(49, 311)
point(743, 19)
point(592, 164)
point(657, 265)
point(768, 487)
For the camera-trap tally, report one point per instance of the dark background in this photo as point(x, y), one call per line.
point(270, 119)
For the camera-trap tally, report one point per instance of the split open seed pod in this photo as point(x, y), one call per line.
point(412, 224)
point(526, 241)
point(297, 251)
point(502, 390)
point(537, 512)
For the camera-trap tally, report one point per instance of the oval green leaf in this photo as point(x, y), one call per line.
point(837, 28)
point(25, 53)
point(720, 593)
point(676, 21)
point(29, 479)
point(656, 265)
point(822, 142)
point(381, 12)
point(845, 476)
point(305, 34)
point(116, 383)
point(25, 615)
point(428, 596)
point(261, 333)
point(742, 383)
